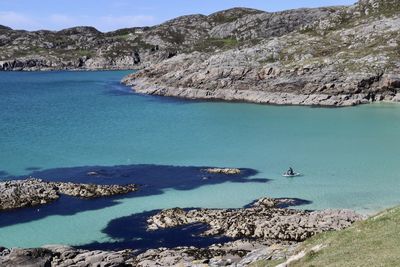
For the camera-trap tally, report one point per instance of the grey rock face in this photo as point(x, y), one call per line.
point(92, 190)
point(263, 220)
point(24, 193)
point(266, 25)
point(63, 256)
point(37, 257)
point(33, 192)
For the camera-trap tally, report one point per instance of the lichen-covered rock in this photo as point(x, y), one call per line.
point(263, 220)
point(63, 256)
point(32, 192)
point(228, 171)
point(93, 190)
point(24, 193)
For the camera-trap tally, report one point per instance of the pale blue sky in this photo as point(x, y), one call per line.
point(109, 15)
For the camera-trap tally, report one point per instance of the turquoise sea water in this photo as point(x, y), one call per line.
point(349, 156)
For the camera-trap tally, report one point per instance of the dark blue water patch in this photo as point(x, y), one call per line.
point(118, 89)
point(122, 90)
point(65, 205)
point(131, 233)
point(154, 177)
point(153, 180)
point(33, 168)
point(3, 174)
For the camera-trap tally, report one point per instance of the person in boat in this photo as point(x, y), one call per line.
point(290, 171)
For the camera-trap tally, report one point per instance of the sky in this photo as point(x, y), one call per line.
point(107, 15)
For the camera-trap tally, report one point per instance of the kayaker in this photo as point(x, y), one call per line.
point(290, 171)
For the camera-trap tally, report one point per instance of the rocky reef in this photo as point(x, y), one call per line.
point(31, 192)
point(264, 220)
point(263, 231)
point(228, 171)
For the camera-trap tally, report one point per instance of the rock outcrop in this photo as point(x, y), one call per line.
point(63, 256)
point(25, 193)
point(261, 221)
point(32, 192)
point(228, 171)
point(92, 190)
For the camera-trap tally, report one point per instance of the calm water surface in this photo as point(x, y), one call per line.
point(59, 125)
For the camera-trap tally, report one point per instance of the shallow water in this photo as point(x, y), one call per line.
point(52, 123)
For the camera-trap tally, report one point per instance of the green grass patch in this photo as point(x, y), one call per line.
point(374, 242)
point(210, 44)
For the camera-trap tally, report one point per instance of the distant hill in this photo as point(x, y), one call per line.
point(88, 48)
point(4, 28)
point(330, 56)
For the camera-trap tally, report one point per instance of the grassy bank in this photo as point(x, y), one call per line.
point(374, 242)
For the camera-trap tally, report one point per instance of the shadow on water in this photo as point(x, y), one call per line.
point(33, 169)
point(117, 89)
point(4, 173)
point(131, 233)
point(154, 179)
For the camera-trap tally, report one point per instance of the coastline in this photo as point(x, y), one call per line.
point(266, 229)
point(259, 97)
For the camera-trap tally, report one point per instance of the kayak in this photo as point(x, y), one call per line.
point(291, 175)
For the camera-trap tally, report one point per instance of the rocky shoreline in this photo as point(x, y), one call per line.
point(32, 192)
point(263, 231)
point(347, 57)
point(239, 253)
point(333, 56)
point(258, 97)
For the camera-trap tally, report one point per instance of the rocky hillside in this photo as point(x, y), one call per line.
point(87, 48)
point(334, 57)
